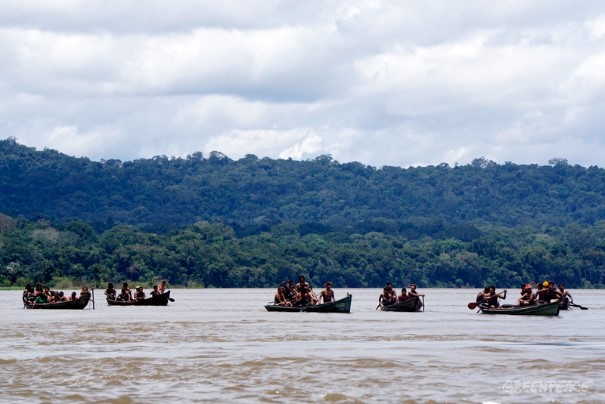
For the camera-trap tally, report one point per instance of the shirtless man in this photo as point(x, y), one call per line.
point(403, 296)
point(388, 296)
point(162, 287)
point(139, 294)
point(280, 297)
point(551, 292)
point(527, 296)
point(492, 297)
point(413, 292)
point(327, 294)
point(565, 293)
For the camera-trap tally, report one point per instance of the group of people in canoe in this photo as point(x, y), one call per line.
point(126, 294)
point(302, 294)
point(389, 296)
point(545, 292)
point(39, 294)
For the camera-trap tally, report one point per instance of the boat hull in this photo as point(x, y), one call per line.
point(161, 300)
point(78, 304)
point(543, 309)
point(339, 306)
point(411, 305)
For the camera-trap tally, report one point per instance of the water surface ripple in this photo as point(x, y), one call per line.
point(221, 345)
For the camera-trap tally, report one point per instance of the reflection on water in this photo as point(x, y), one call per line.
point(212, 345)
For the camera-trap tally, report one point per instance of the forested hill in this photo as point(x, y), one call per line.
point(213, 221)
point(252, 194)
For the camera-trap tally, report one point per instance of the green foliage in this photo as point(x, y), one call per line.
point(216, 222)
point(210, 255)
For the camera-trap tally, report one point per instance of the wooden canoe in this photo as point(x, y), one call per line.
point(160, 300)
point(339, 306)
point(539, 309)
point(409, 305)
point(77, 304)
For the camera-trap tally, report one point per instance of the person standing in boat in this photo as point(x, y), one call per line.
point(388, 296)
point(327, 295)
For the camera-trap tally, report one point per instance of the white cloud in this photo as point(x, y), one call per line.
point(377, 81)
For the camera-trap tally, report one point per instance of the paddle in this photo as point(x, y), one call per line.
point(473, 305)
point(171, 299)
point(578, 306)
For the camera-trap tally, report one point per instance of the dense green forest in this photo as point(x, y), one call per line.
point(216, 222)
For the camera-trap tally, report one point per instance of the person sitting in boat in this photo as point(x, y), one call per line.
point(162, 287)
point(527, 296)
point(139, 294)
point(29, 294)
point(280, 297)
point(39, 289)
point(551, 292)
point(566, 298)
point(481, 295)
point(41, 298)
point(84, 291)
point(312, 295)
point(73, 296)
point(52, 295)
point(156, 291)
point(110, 292)
point(61, 297)
point(413, 292)
point(125, 295)
point(491, 297)
point(327, 295)
point(403, 296)
point(301, 283)
point(541, 292)
point(303, 297)
point(388, 296)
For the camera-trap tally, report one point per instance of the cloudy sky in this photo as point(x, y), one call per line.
point(403, 83)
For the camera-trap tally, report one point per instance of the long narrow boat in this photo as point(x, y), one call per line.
point(77, 304)
point(540, 309)
point(159, 300)
point(409, 305)
point(339, 306)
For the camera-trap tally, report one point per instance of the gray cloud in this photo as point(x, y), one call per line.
point(380, 82)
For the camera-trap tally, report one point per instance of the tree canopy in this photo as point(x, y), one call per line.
point(213, 221)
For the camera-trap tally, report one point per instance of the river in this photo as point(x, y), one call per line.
point(214, 345)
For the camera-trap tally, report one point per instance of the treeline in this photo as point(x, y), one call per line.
point(321, 196)
point(212, 255)
point(216, 222)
